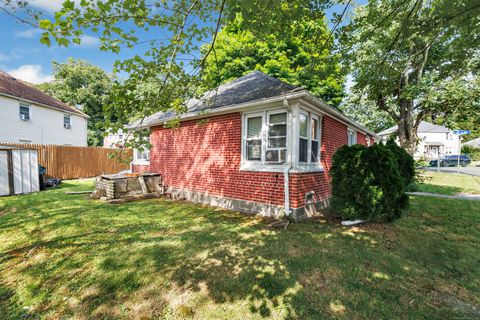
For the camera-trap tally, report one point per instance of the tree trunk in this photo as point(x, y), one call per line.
point(407, 132)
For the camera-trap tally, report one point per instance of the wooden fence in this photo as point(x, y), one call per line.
point(67, 162)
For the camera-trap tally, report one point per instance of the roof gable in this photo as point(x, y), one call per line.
point(11, 86)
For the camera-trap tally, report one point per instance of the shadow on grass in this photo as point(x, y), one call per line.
point(156, 258)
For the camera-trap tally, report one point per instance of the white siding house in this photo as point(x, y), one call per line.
point(434, 140)
point(28, 115)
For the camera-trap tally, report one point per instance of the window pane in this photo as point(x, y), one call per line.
point(277, 130)
point(314, 129)
point(254, 149)
point(278, 118)
point(254, 126)
point(277, 142)
point(314, 151)
point(303, 125)
point(303, 156)
point(271, 155)
point(283, 155)
point(25, 112)
point(66, 119)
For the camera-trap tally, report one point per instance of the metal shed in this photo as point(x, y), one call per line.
point(18, 170)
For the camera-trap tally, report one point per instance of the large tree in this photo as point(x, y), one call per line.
point(78, 82)
point(168, 34)
point(301, 56)
point(401, 50)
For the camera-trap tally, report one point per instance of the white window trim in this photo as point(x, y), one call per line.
point(137, 161)
point(354, 136)
point(69, 120)
point(267, 128)
point(22, 104)
point(245, 133)
point(293, 136)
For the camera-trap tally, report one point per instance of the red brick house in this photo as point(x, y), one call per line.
point(255, 144)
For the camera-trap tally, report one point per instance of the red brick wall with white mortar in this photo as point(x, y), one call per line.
point(204, 156)
point(361, 138)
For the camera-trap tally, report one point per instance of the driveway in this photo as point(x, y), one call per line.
point(471, 170)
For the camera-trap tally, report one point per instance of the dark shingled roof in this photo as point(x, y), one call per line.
point(253, 86)
point(19, 89)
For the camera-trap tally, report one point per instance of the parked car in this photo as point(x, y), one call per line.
point(452, 160)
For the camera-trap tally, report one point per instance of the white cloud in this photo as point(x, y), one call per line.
point(89, 41)
point(29, 33)
point(47, 5)
point(31, 73)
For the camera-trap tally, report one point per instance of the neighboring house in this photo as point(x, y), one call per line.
point(255, 144)
point(433, 140)
point(114, 140)
point(28, 115)
point(475, 143)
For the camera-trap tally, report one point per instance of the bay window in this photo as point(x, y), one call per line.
point(274, 139)
point(309, 138)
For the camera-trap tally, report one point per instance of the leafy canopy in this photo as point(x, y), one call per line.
point(400, 51)
point(77, 82)
point(301, 56)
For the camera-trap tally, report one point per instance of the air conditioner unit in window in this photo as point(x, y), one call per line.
point(24, 117)
point(67, 125)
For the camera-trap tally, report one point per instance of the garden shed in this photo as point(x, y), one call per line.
point(18, 170)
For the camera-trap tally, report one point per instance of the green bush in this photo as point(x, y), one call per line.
point(474, 153)
point(405, 162)
point(367, 183)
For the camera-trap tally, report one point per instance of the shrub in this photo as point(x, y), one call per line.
point(367, 183)
point(474, 153)
point(406, 164)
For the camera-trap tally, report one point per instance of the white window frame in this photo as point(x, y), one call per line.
point(292, 141)
point(69, 116)
point(351, 143)
point(24, 105)
point(140, 160)
point(245, 137)
point(267, 129)
point(310, 116)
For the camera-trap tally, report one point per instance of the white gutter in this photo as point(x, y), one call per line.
point(286, 174)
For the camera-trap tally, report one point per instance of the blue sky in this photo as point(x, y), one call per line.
point(22, 55)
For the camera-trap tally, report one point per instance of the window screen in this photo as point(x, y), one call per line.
point(254, 141)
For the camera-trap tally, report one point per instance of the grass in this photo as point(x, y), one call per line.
point(449, 183)
point(64, 256)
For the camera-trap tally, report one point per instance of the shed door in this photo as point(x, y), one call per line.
point(4, 183)
point(25, 171)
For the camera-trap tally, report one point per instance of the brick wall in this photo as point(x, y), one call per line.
point(361, 138)
point(334, 135)
point(204, 156)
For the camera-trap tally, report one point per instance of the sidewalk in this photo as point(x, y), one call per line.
point(464, 196)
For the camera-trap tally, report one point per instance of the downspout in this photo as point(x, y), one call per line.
point(288, 166)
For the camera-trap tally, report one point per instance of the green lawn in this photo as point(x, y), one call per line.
point(449, 183)
point(63, 256)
